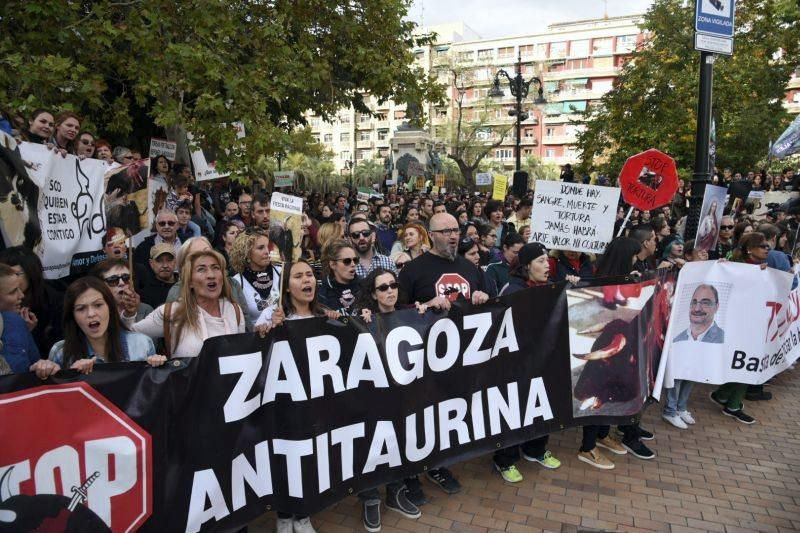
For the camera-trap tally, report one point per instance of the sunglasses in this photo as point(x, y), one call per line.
point(361, 234)
point(87, 142)
point(726, 227)
point(114, 280)
point(386, 286)
point(347, 261)
point(169, 223)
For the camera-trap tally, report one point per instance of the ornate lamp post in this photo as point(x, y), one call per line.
point(519, 89)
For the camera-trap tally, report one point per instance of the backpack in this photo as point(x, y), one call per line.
point(168, 325)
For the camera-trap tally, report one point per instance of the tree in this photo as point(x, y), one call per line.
point(140, 67)
point(539, 170)
point(472, 137)
point(368, 171)
point(654, 101)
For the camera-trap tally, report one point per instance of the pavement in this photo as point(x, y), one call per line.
point(719, 475)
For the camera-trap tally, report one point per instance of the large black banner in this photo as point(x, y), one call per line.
point(317, 411)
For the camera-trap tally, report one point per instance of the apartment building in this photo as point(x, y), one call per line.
point(577, 61)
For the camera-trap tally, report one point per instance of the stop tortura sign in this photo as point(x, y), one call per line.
point(80, 464)
point(648, 180)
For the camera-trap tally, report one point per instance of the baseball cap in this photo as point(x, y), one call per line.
point(161, 249)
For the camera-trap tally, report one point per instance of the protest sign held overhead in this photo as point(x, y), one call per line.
point(286, 224)
point(723, 331)
point(128, 197)
point(69, 208)
point(573, 216)
point(710, 217)
point(163, 147)
point(483, 178)
point(500, 186)
point(648, 180)
point(284, 178)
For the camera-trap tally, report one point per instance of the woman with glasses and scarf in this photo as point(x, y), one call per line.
point(259, 278)
point(340, 286)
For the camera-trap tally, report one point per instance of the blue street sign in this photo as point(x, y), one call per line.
point(715, 17)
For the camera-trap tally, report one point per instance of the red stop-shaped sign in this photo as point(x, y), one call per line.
point(450, 285)
point(648, 180)
point(71, 441)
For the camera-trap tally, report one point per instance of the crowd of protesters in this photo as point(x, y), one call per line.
point(215, 264)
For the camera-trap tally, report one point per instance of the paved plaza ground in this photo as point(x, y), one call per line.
point(719, 475)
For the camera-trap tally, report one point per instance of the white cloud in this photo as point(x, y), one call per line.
point(493, 18)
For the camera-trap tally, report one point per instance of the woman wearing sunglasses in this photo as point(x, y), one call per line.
point(117, 276)
point(340, 286)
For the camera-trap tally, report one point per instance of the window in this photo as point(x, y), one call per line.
point(482, 74)
point(399, 114)
point(344, 137)
point(550, 152)
point(541, 50)
point(364, 135)
point(314, 122)
point(383, 135)
point(602, 46)
point(528, 133)
point(796, 97)
point(626, 43)
point(419, 54)
point(602, 86)
point(344, 156)
point(364, 117)
point(603, 62)
point(549, 132)
point(527, 50)
point(363, 154)
point(579, 48)
point(578, 64)
point(315, 136)
point(527, 151)
point(328, 138)
point(440, 112)
point(552, 109)
point(344, 119)
point(505, 52)
point(441, 51)
point(464, 57)
point(485, 54)
point(503, 153)
point(558, 49)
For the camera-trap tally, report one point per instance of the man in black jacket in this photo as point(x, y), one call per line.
point(166, 232)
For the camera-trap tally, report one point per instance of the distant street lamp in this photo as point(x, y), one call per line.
point(519, 89)
point(349, 166)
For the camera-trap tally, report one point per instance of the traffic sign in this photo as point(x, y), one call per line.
point(82, 447)
point(715, 17)
point(648, 180)
point(713, 44)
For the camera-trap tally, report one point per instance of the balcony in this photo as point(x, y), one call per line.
point(367, 125)
point(558, 139)
point(582, 72)
point(562, 118)
point(792, 107)
point(365, 145)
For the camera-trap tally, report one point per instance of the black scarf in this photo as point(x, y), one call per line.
point(261, 281)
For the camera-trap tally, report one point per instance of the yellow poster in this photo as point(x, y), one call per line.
point(500, 186)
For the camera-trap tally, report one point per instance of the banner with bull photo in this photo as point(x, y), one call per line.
point(316, 412)
point(134, 196)
point(731, 322)
point(56, 207)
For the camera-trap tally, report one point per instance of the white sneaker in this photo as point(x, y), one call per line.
point(676, 421)
point(284, 525)
point(687, 417)
point(303, 525)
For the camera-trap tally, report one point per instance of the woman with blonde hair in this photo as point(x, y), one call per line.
point(259, 277)
point(203, 310)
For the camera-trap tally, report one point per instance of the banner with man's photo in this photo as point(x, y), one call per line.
point(55, 206)
point(316, 412)
point(731, 322)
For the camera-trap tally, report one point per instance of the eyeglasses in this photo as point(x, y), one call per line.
point(400, 265)
point(764, 246)
point(347, 261)
point(726, 227)
point(114, 280)
point(705, 302)
point(361, 234)
point(87, 142)
point(447, 231)
point(169, 223)
point(386, 286)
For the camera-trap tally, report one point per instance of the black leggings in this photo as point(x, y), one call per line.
point(590, 436)
point(533, 448)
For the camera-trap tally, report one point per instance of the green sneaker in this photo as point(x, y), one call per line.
point(510, 473)
point(548, 460)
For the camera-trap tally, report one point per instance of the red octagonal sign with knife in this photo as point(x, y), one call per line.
point(648, 180)
point(81, 463)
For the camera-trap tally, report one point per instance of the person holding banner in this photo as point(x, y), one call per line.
point(205, 308)
point(94, 333)
point(84, 148)
point(67, 127)
point(532, 270)
point(259, 277)
point(40, 127)
point(498, 272)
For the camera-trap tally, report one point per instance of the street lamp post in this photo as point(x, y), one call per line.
point(349, 166)
point(519, 89)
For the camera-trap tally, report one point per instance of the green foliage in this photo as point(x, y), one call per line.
point(136, 66)
point(367, 172)
point(537, 170)
point(654, 102)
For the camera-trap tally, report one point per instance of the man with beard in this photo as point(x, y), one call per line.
point(435, 279)
point(702, 309)
point(161, 275)
point(385, 232)
point(362, 237)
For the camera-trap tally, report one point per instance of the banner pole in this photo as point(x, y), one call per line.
point(625, 221)
point(130, 260)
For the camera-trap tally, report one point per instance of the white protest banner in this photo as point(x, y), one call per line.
point(483, 178)
point(730, 322)
point(70, 209)
point(573, 216)
point(286, 224)
point(710, 217)
point(163, 147)
point(284, 178)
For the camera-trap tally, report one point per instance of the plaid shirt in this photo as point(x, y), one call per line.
point(378, 261)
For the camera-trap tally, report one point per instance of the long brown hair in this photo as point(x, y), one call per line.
point(75, 342)
point(748, 241)
point(187, 312)
point(286, 298)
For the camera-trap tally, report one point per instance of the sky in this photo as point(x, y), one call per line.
point(498, 18)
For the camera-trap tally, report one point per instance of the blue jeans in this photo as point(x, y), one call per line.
point(678, 397)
